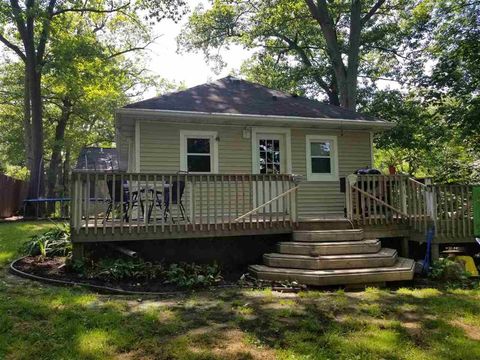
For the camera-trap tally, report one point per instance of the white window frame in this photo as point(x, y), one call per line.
point(194, 134)
point(333, 175)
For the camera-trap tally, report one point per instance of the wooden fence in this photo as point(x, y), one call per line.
point(12, 193)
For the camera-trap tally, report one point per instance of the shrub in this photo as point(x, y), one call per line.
point(53, 242)
point(446, 269)
point(192, 275)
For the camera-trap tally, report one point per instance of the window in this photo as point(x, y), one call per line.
point(322, 162)
point(198, 152)
point(269, 156)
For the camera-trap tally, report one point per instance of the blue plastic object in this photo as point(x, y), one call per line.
point(428, 258)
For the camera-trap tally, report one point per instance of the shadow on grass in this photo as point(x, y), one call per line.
point(44, 322)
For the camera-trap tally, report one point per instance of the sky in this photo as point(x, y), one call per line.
point(190, 68)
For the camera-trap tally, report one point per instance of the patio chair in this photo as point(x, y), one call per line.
point(117, 202)
point(177, 188)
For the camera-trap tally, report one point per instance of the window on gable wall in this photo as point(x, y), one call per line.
point(322, 158)
point(198, 152)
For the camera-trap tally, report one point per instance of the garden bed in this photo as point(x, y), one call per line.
point(54, 270)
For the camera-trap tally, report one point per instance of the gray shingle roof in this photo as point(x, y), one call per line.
point(232, 95)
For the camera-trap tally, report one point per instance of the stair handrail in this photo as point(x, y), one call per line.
point(285, 193)
point(374, 198)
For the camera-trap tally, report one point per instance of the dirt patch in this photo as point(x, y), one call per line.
point(471, 331)
point(55, 269)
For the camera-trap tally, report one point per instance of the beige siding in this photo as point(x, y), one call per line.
point(159, 152)
point(322, 198)
point(124, 134)
point(160, 147)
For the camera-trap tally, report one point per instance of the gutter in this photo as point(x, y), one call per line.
point(249, 119)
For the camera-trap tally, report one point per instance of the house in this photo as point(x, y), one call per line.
point(233, 159)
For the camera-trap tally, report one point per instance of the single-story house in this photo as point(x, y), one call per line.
point(225, 170)
point(235, 126)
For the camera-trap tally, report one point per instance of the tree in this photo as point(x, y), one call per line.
point(25, 28)
point(322, 46)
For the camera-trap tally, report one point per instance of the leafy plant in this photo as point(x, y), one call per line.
point(192, 275)
point(447, 269)
point(53, 242)
point(121, 269)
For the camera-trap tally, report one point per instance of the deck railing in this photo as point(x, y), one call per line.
point(399, 199)
point(105, 202)
point(452, 210)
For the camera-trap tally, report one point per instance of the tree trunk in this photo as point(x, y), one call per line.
point(36, 187)
point(54, 169)
point(350, 97)
point(27, 125)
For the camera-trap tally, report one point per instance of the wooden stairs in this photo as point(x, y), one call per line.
point(333, 257)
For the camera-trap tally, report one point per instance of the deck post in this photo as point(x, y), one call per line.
point(403, 194)
point(405, 246)
point(435, 252)
point(78, 251)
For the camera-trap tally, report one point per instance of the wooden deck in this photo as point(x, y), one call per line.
point(145, 207)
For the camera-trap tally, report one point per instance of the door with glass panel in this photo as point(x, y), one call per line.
point(270, 160)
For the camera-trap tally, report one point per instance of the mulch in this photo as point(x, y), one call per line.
point(55, 269)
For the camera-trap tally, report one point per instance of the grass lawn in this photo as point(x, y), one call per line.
point(38, 321)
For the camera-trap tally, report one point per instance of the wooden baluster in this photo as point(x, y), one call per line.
point(154, 203)
point(122, 205)
point(414, 204)
point(139, 203)
point(445, 210)
point(278, 191)
point(250, 198)
point(264, 210)
point(162, 204)
point(222, 182)
point(257, 199)
point(270, 190)
point(177, 179)
point(229, 183)
point(146, 204)
point(95, 180)
point(462, 202)
point(385, 194)
point(452, 212)
point(237, 206)
point(87, 204)
point(200, 192)
point(208, 202)
point(170, 201)
point(244, 203)
point(295, 193)
point(112, 228)
point(380, 196)
point(215, 201)
point(194, 201)
point(374, 193)
point(130, 204)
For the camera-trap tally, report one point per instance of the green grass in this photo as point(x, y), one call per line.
point(38, 321)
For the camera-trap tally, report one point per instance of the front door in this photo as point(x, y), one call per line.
point(270, 160)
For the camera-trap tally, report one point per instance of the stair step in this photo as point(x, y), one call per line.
point(327, 235)
point(329, 248)
point(382, 258)
point(401, 270)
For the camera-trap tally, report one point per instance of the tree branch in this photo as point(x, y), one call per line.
point(93, 10)
point(45, 31)
point(16, 12)
point(372, 11)
point(13, 47)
